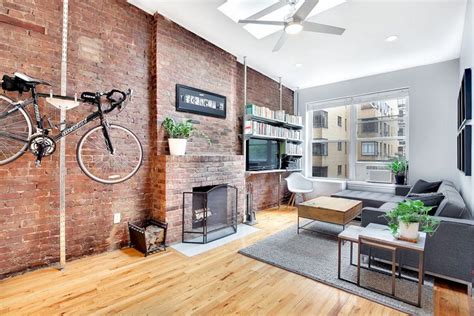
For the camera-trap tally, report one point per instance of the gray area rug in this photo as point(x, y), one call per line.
point(314, 256)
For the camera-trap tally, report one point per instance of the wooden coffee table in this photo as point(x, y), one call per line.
point(329, 210)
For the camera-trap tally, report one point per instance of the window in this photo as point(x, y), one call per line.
point(327, 143)
point(320, 119)
point(369, 148)
point(369, 126)
point(381, 127)
point(372, 129)
point(320, 149)
point(320, 172)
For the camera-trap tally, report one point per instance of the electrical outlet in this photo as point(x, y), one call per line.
point(117, 218)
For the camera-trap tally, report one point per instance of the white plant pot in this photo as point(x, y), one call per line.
point(177, 146)
point(409, 230)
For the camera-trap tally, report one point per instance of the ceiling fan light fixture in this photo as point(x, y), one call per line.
point(293, 28)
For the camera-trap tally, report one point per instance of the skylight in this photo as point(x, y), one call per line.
point(241, 9)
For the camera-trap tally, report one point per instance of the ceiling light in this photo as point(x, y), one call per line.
point(293, 28)
point(298, 65)
point(391, 38)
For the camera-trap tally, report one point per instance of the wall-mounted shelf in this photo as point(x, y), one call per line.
point(273, 137)
point(273, 171)
point(281, 123)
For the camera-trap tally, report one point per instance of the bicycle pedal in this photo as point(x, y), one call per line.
point(37, 163)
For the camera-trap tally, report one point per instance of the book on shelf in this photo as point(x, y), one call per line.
point(279, 115)
point(263, 129)
point(293, 149)
point(294, 119)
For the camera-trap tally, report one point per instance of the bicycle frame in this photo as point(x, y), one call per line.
point(66, 131)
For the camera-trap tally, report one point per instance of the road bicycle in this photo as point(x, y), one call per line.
point(107, 153)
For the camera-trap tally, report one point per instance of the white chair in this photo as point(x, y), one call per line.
point(298, 185)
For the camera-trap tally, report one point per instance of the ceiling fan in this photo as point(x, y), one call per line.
point(294, 22)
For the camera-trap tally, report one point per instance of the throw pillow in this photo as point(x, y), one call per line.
point(429, 199)
point(422, 186)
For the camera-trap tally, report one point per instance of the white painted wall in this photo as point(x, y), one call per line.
point(467, 61)
point(432, 113)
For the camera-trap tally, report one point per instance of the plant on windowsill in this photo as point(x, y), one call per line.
point(179, 133)
point(399, 169)
point(409, 217)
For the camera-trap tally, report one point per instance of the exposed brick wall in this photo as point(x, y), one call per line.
point(29, 198)
point(185, 58)
point(112, 44)
point(109, 46)
point(180, 174)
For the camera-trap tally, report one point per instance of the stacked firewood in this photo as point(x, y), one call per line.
point(154, 237)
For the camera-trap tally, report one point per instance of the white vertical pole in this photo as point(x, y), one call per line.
point(281, 93)
point(62, 153)
point(244, 141)
point(280, 88)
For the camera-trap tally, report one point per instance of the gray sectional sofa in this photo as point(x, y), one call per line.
point(449, 252)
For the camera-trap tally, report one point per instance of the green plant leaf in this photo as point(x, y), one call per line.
point(412, 211)
point(183, 129)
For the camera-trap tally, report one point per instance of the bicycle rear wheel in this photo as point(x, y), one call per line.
point(15, 131)
point(99, 164)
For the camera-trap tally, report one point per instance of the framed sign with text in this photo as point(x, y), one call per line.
point(201, 102)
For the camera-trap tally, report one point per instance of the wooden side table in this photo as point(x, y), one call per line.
point(379, 236)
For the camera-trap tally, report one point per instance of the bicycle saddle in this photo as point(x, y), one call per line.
point(30, 80)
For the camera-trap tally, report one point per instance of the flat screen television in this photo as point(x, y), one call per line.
point(262, 154)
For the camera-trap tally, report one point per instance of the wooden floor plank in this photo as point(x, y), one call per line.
point(217, 282)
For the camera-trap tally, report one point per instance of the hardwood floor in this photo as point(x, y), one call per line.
point(217, 282)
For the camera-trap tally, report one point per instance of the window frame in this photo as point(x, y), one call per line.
point(324, 120)
point(351, 166)
point(325, 148)
point(321, 168)
point(375, 152)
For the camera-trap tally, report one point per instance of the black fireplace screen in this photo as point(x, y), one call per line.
point(209, 213)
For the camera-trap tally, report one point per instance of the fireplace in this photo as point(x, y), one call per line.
point(209, 213)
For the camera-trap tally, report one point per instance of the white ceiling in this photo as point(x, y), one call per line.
point(429, 31)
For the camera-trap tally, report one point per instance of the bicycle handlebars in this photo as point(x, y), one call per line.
point(95, 98)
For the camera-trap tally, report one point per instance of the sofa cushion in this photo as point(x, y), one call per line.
point(422, 186)
point(369, 199)
point(429, 199)
point(453, 204)
point(388, 206)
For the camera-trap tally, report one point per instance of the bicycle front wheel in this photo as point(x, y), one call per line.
point(99, 164)
point(15, 131)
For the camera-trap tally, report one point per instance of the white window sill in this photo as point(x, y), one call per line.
point(328, 180)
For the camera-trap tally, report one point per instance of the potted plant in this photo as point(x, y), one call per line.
point(179, 133)
point(409, 217)
point(399, 169)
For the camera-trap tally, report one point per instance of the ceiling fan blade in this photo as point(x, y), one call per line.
point(322, 28)
point(302, 13)
point(268, 10)
point(280, 42)
point(262, 22)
